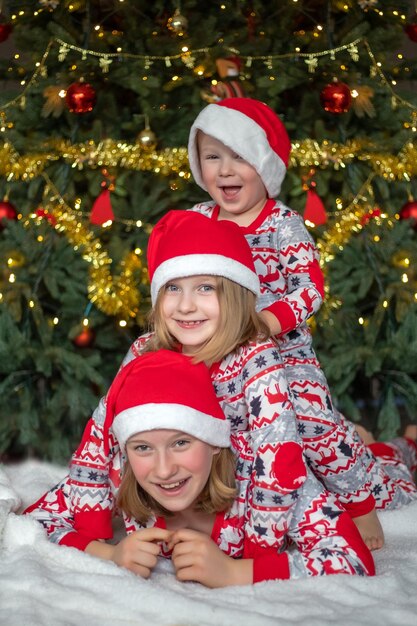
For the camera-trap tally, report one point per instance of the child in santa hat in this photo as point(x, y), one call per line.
point(239, 152)
point(204, 288)
point(178, 494)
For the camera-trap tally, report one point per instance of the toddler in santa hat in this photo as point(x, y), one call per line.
point(239, 151)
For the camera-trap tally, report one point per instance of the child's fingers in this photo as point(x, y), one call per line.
point(154, 534)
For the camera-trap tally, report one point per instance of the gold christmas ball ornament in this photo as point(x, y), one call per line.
point(147, 139)
point(178, 24)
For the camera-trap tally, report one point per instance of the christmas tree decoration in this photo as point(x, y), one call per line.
point(7, 212)
point(80, 98)
point(369, 215)
point(178, 24)
point(85, 338)
point(336, 98)
point(362, 101)
point(411, 31)
point(44, 214)
point(49, 4)
point(314, 211)
point(5, 30)
point(147, 139)
point(55, 101)
point(230, 85)
point(401, 259)
point(15, 259)
point(101, 211)
point(409, 212)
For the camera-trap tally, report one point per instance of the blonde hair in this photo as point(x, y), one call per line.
point(239, 324)
point(218, 494)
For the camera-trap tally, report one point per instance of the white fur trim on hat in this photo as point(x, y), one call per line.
point(203, 264)
point(245, 137)
point(173, 416)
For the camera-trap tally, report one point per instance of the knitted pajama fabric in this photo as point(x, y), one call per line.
point(287, 263)
point(276, 491)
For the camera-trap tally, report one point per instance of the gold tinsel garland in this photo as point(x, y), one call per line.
point(174, 161)
point(118, 294)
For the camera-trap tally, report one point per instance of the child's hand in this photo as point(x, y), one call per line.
point(139, 551)
point(271, 321)
point(197, 558)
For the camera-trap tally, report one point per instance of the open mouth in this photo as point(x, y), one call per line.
point(172, 487)
point(190, 323)
point(230, 192)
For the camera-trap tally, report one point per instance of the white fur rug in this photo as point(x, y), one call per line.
point(46, 585)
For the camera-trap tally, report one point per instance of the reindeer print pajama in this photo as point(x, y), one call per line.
point(292, 289)
point(278, 496)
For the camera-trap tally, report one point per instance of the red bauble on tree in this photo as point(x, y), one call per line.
point(7, 212)
point(5, 30)
point(85, 338)
point(80, 97)
point(409, 212)
point(411, 31)
point(336, 98)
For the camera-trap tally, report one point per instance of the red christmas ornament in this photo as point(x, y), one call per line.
point(80, 98)
point(409, 212)
point(85, 338)
point(372, 214)
point(5, 30)
point(102, 211)
point(45, 214)
point(411, 31)
point(336, 98)
point(314, 211)
point(7, 212)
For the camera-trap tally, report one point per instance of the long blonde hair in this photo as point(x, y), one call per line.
point(239, 324)
point(218, 494)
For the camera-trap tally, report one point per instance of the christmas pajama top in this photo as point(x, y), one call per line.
point(279, 498)
point(292, 288)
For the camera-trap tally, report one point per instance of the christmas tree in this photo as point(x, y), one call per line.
point(97, 98)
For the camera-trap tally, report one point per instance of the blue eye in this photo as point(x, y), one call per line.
point(180, 443)
point(171, 287)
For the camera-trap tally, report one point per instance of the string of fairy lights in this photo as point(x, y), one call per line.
point(116, 293)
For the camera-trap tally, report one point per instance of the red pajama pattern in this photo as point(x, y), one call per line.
point(287, 263)
point(279, 499)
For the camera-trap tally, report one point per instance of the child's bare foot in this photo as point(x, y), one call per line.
point(366, 436)
point(411, 432)
point(370, 530)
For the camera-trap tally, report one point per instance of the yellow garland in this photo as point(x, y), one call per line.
point(119, 294)
point(174, 161)
point(113, 295)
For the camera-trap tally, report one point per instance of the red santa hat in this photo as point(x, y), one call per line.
point(165, 389)
point(186, 243)
point(252, 130)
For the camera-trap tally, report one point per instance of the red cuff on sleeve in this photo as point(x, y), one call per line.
point(94, 524)
point(75, 540)
point(271, 566)
point(355, 509)
point(268, 564)
point(381, 449)
point(284, 314)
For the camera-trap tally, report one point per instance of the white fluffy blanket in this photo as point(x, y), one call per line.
point(44, 584)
